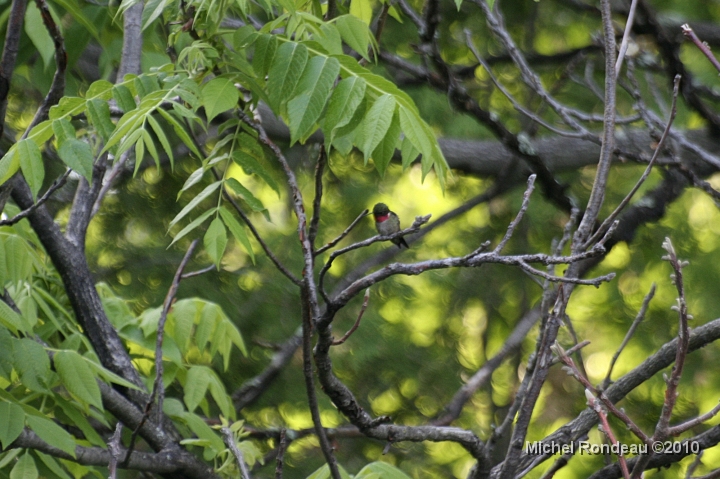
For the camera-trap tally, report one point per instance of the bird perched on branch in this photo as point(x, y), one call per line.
point(388, 223)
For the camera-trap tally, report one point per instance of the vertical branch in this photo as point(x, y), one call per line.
point(308, 292)
point(597, 195)
point(281, 455)
point(158, 392)
point(9, 54)
point(315, 220)
point(229, 438)
point(132, 41)
point(683, 341)
point(57, 87)
point(626, 38)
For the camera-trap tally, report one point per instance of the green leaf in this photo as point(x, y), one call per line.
point(100, 90)
point(209, 189)
point(77, 155)
point(78, 378)
point(210, 315)
point(244, 37)
point(345, 100)
point(194, 224)
point(68, 106)
point(415, 133)
point(78, 419)
point(31, 163)
point(9, 165)
point(10, 319)
point(287, 66)
point(245, 194)
point(196, 385)
point(161, 138)
point(184, 314)
point(219, 95)
point(219, 394)
point(361, 9)
point(381, 469)
point(330, 39)
point(409, 153)
point(250, 164)
point(6, 362)
point(72, 7)
point(237, 231)
point(203, 431)
point(38, 34)
point(110, 376)
point(129, 122)
point(376, 124)
point(52, 464)
point(63, 130)
point(32, 363)
point(12, 421)
point(99, 116)
point(180, 132)
point(265, 48)
point(314, 89)
point(355, 32)
point(52, 434)
point(386, 148)
point(153, 9)
point(25, 468)
point(215, 241)
point(18, 259)
point(324, 473)
point(124, 98)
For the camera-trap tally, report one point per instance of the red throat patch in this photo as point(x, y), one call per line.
point(380, 219)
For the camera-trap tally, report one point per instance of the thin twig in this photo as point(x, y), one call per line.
point(605, 426)
point(702, 46)
point(626, 38)
point(567, 361)
point(308, 291)
point(675, 431)
point(636, 322)
point(198, 272)
point(315, 220)
point(343, 234)
point(419, 221)
point(109, 180)
point(229, 438)
point(57, 184)
point(113, 446)
point(525, 203)
point(284, 270)
point(158, 391)
point(597, 194)
point(608, 221)
point(349, 333)
point(9, 54)
point(661, 430)
point(57, 87)
point(281, 454)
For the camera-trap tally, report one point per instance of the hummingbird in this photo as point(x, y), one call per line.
point(388, 223)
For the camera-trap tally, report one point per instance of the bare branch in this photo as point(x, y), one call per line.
point(343, 234)
point(636, 322)
point(315, 221)
point(523, 209)
point(229, 439)
point(702, 46)
point(132, 41)
point(57, 184)
point(626, 38)
point(347, 335)
point(158, 392)
point(597, 195)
